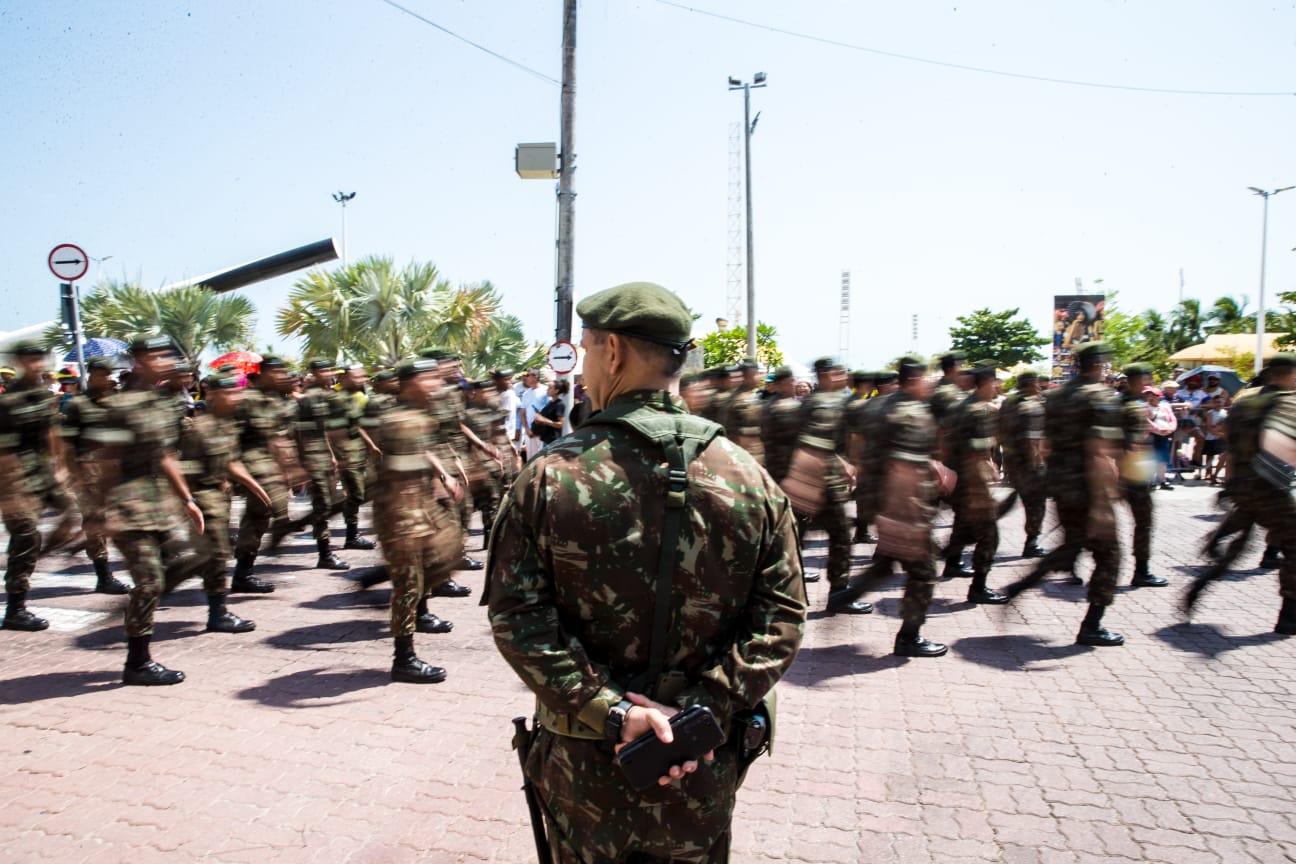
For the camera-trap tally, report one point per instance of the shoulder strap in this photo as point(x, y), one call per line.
point(682, 437)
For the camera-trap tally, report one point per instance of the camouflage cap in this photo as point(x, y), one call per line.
point(1092, 352)
point(642, 310)
point(182, 366)
point(1027, 376)
point(950, 359)
point(27, 348)
point(434, 354)
point(384, 375)
point(1138, 369)
point(825, 364)
point(319, 364)
point(748, 366)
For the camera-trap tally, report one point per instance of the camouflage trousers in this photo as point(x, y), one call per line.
point(21, 513)
point(90, 503)
point(595, 818)
point(354, 474)
point(983, 532)
point(1139, 499)
point(323, 489)
point(1073, 513)
point(920, 587)
point(486, 500)
point(834, 520)
point(257, 516)
point(1029, 484)
point(865, 500)
point(1276, 513)
point(215, 540)
point(416, 571)
point(142, 551)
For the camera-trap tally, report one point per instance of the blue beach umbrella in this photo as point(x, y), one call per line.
point(98, 347)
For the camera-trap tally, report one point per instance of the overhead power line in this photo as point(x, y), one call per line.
point(963, 67)
point(498, 56)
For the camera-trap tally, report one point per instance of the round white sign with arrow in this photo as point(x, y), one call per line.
point(562, 357)
point(68, 262)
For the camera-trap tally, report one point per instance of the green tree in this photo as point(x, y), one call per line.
point(193, 318)
point(1185, 326)
point(1132, 340)
point(1000, 336)
point(1286, 321)
point(1229, 315)
point(724, 347)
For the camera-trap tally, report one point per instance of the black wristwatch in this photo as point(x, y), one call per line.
point(616, 720)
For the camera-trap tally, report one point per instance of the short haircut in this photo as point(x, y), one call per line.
point(667, 361)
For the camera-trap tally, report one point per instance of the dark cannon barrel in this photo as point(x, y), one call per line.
point(271, 266)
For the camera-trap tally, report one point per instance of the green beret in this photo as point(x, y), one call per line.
point(142, 344)
point(885, 376)
point(782, 373)
point(1092, 352)
point(825, 364)
point(715, 372)
point(748, 366)
point(984, 369)
point(950, 358)
point(910, 368)
point(500, 374)
point(413, 368)
point(641, 310)
point(1282, 361)
point(321, 365)
point(27, 348)
point(1027, 376)
point(384, 375)
point(270, 361)
point(859, 376)
point(1138, 369)
point(100, 364)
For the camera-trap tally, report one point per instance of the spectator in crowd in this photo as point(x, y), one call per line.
point(502, 379)
point(533, 398)
point(803, 389)
point(1162, 424)
point(1214, 414)
point(548, 423)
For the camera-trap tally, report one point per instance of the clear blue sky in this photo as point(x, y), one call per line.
point(184, 137)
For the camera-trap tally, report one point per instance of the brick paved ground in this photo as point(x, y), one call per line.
point(290, 744)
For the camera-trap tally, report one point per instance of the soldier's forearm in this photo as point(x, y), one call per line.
point(171, 470)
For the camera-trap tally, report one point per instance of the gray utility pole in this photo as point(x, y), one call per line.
point(1264, 244)
point(566, 179)
point(342, 198)
point(749, 127)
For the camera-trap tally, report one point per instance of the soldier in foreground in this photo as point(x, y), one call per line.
point(1021, 435)
point(1137, 471)
point(265, 419)
point(1082, 420)
point(620, 593)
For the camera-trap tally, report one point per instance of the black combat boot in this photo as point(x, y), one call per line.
point(470, 564)
point(243, 582)
point(809, 576)
point(355, 541)
point(427, 622)
point(979, 594)
point(451, 588)
point(1272, 558)
point(105, 583)
point(862, 535)
point(18, 618)
point(372, 576)
point(327, 559)
point(909, 642)
point(1093, 633)
point(142, 670)
point(954, 569)
point(407, 668)
point(1032, 549)
point(1287, 618)
point(1144, 579)
point(846, 599)
point(221, 620)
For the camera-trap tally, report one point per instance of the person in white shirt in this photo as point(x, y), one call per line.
point(533, 399)
point(509, 402)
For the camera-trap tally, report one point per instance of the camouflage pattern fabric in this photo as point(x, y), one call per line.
point(208, 444)
point(571, 594)
point(1138, 493)
point(823, 428)
point(317, 416)
point(416, 527)
point(869, 424)
point(352, 453)
point(972, 427)
point(82, 420)
point(1021, 422)
point(487, 423)
point(779, 429)
point(451, 447)
point(743, 417)
point(264, 427)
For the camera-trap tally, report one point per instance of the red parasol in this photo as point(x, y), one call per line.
point(247, 362)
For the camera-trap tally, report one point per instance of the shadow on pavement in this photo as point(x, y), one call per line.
point(301, 689)
point(56, 685)
point(52, 592)
point(1013, 652)
point(114, 635)
point(818, 664)
point(356, 598)
point(317, 636)
point(1209, 641)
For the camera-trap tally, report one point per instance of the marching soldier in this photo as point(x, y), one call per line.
point(1137, 474)
point(266, 420)
point(353, 447)
point(1021, 435)
point(209, 459)
point(905, 444)
point(31, 479)
point(448, 409)
point(1083, 422)
point(589, 534)
point(951, 389)
point(781, 423)
point(82, 423)
point(721, 380)
point(861, 392)
point(868, 424)
point(744, 411)
point(416, 528)
point(972, 425)
point(146, 497)
point(486, 421)
point(317, 418)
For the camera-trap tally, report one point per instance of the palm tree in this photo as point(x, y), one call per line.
point(1185, 326)
point(195, 319)
point(1229, 315)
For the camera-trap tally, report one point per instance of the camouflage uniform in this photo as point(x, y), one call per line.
point(448, 409)
point(779, 428)
point(353, 459)
point(83, 418)
point(571, 598)
point(487, 423)
point(264, 425)
point(947, 396)
point(208, 444)
point(972, 425)
point(318, 413)
point(823, 429)
point(743, 421)
point(867, 422)
point(1021, 425)
point(1137, 491)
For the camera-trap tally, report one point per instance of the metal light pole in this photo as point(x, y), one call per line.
point(566, 179)
point(1264, 244)
point(342, 198)
point(749, 126)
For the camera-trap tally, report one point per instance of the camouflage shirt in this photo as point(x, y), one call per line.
point(406, 491)
point(1134, 421)
point(208, 444)
point(973, 424)
point(264, 418)
point(823, 421)
point(82, 417)
point(779, 430)
point(1074, 414)
point(371, 421)
point(29, 413)
point(574, 561)
point(319, 412)
point(447, 409)
point(1254, 410)
point(1021, 420)
point(140, 428)
point(946, 397)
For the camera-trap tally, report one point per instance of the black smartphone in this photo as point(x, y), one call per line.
point(646, 758)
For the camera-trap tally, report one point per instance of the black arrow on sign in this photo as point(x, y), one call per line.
point(70, 261)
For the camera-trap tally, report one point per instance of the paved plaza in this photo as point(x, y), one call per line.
point(290, 744)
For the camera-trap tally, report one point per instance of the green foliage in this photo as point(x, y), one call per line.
point(1000, 336)
point(194, 318)
point(1141, 338)
point(1286, 321)
point(724, 347)
point(1229, 315)
point(1185, 326)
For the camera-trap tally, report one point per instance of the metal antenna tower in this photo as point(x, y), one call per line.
point(843, 320)
point(735, 296)
point(914, 333)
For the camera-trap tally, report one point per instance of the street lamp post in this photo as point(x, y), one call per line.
point(342, 198)
point(749, 126)
point(1264, 244)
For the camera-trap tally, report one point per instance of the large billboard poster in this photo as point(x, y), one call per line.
point(1077, 319)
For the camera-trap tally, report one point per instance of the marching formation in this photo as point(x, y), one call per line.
point(140, 466)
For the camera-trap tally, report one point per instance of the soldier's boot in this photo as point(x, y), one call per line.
point(811, 576)
point(1032, 549)
point(954, 568)
point(979, 594)
point(243, 582)
point(374, 576)
point(355, 541)
point(1144, 579)
point(407, 668)
point(1093, 633)
point(1287, 618)
point(142, 670)
point(105, 582)
point(428, 622)
point(451, 588)
point(221, 620)
point(862, 535)
point(327, 559)
point(1272, 558)
point(470, 564)
point(18, 618)
point(910, 642)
